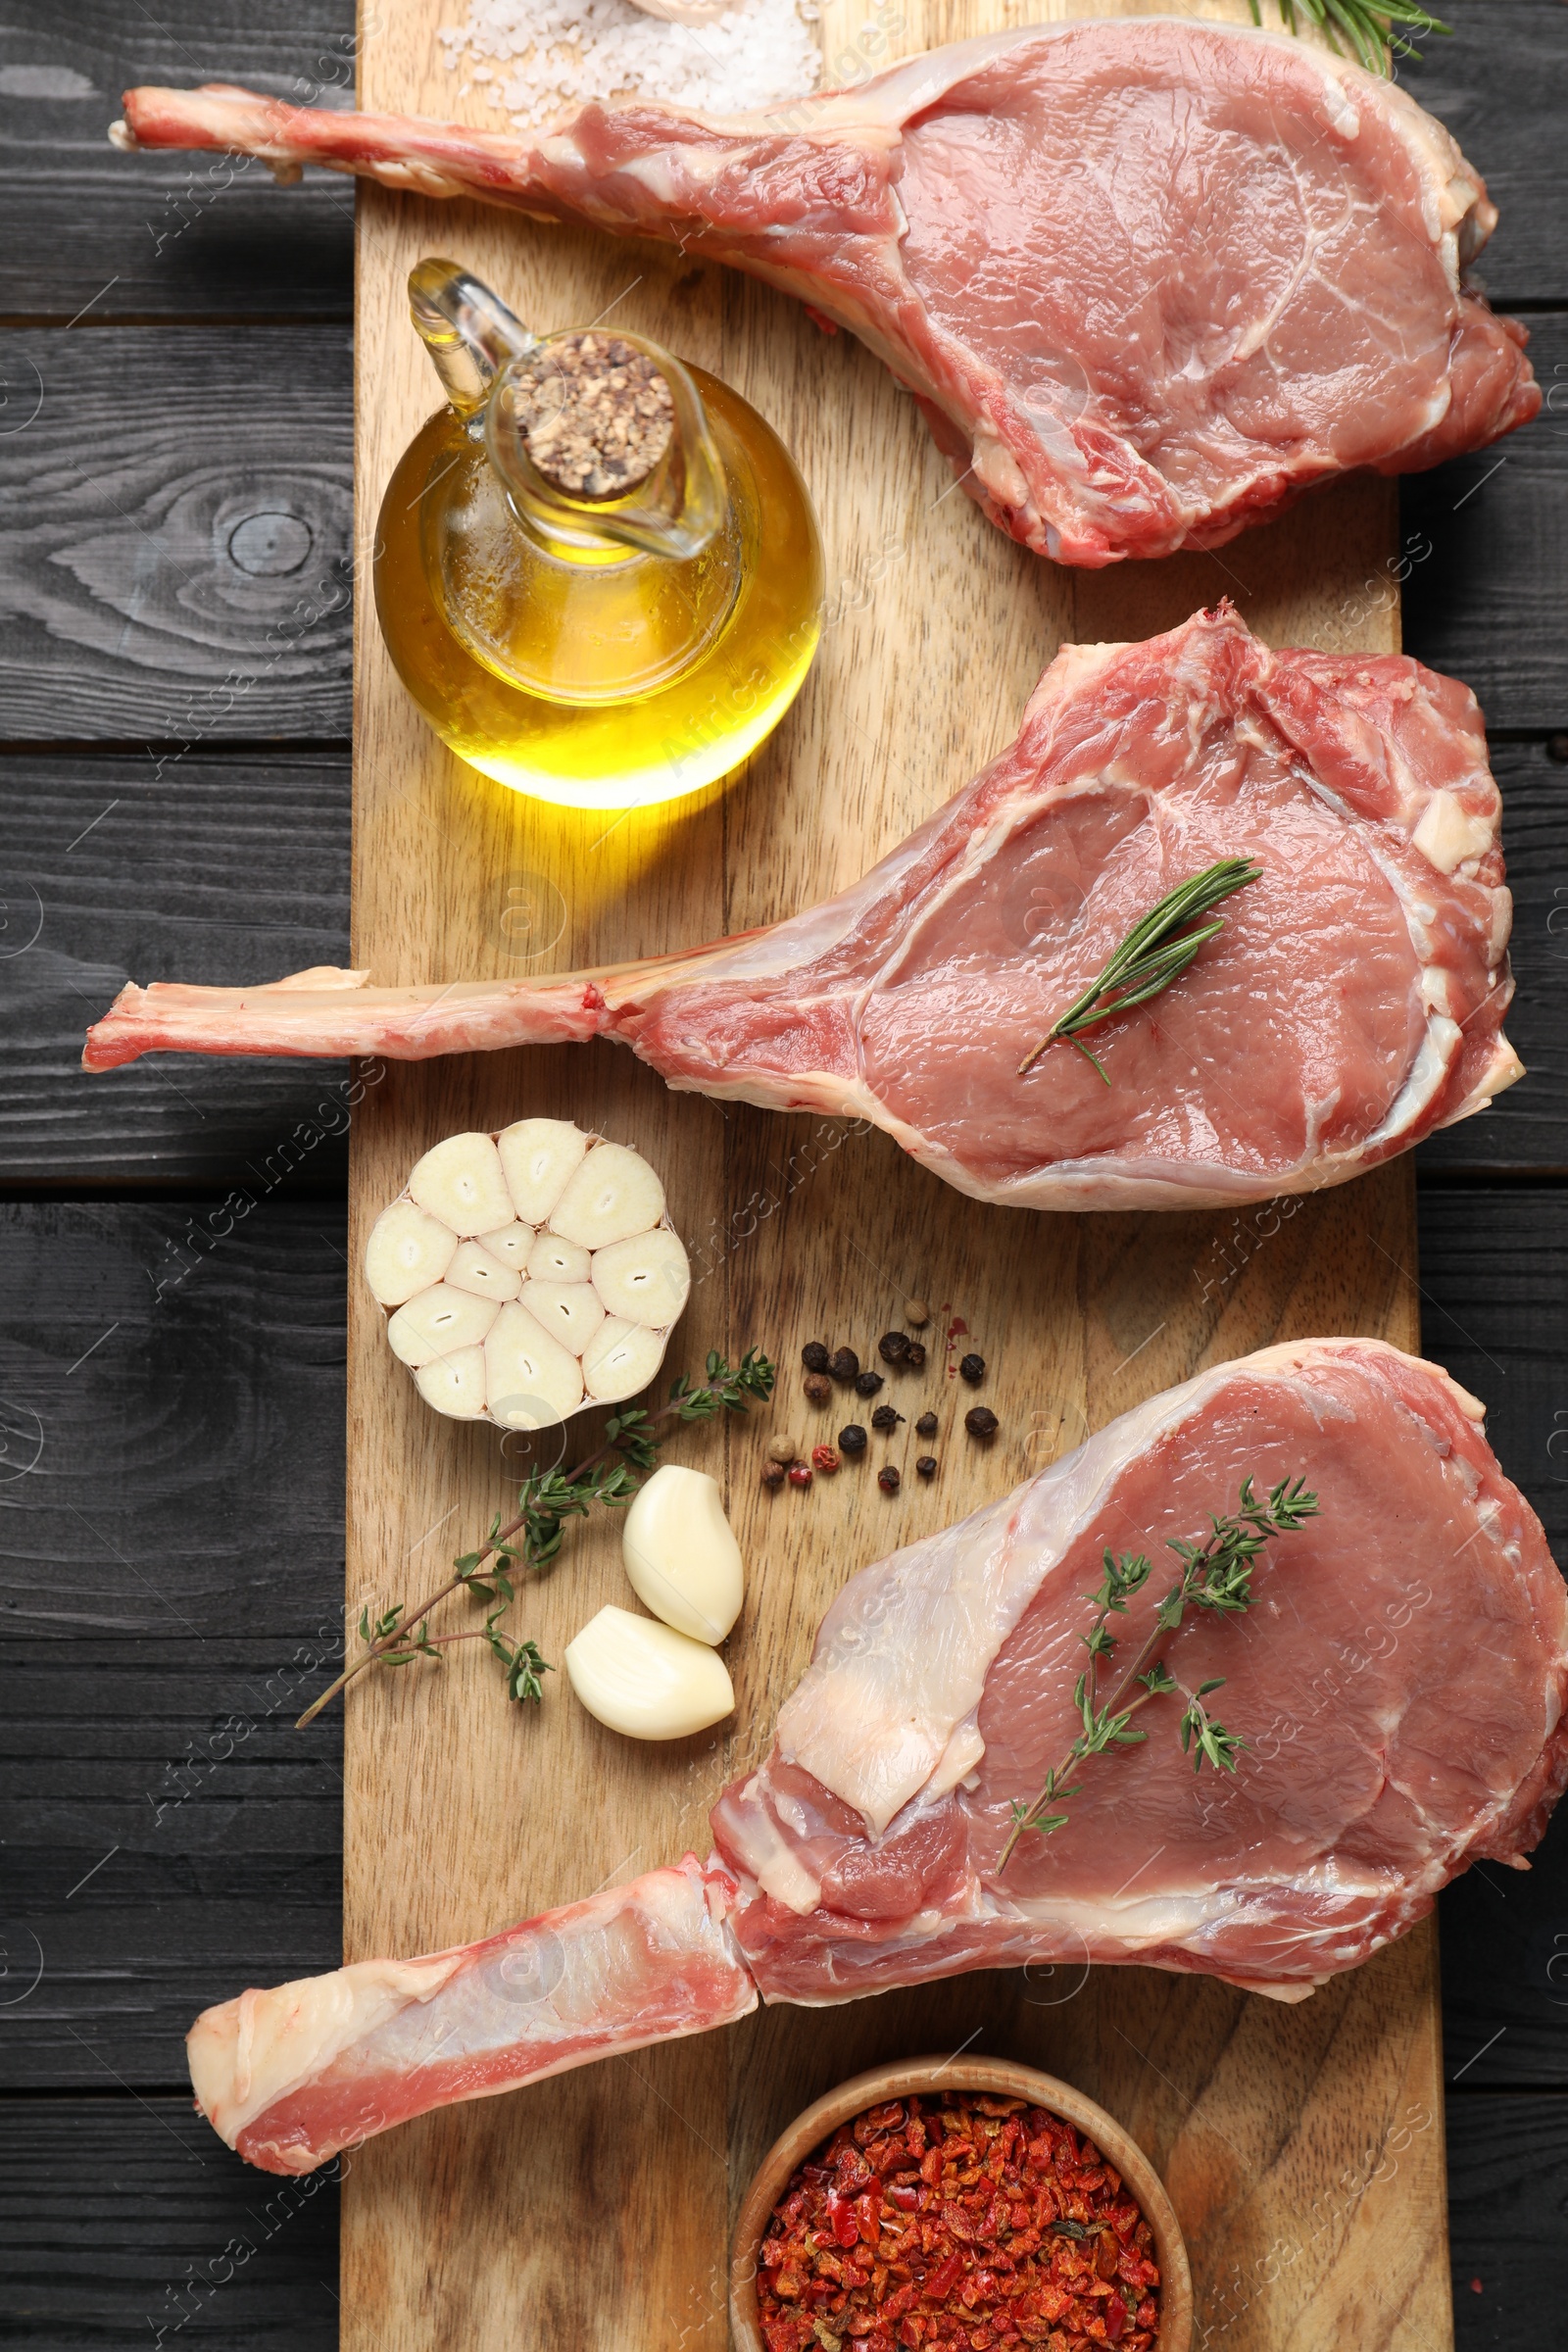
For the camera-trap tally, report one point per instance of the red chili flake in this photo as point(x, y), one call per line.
point(967, 2221)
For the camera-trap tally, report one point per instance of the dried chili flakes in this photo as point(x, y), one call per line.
point(964, 2220)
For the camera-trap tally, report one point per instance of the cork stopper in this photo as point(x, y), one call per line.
point(594, 413)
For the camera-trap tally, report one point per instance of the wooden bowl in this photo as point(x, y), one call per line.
point(822, 2119)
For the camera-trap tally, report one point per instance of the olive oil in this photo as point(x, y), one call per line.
point(565, 662)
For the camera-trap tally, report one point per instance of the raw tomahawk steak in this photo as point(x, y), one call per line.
point(1352, 1003)
point(1400, 1679)
point(1149, 279)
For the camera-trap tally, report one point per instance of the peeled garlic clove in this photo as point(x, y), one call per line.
point(613, 1195)
point(511, 1243)
point(461, 1182)
point(569, 1311)
point(454, 1384)
point(644, 1279)
point(437, 1322)
point(531, 1379)
point(407, 1252)
point(474, 1270)
point(550, 1259)
point(681, 1554)
point(644, 1678)
point(539, 1155)
point(620, 1359)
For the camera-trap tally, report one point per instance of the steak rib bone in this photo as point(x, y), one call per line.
point(1149, 279)
point(1352, 1003)
point(1398, 1683)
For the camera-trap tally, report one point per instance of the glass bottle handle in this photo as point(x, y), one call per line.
point(468, 331)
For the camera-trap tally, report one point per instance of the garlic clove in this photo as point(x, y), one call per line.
point(474, 1270)
point(681, 1554)
point(531, 1379)
point(644, 1279)
point(407, 1252)
point(511, 1243)
point(620, 1359)
point(437, 1322)
point(613, 1195)
point(539, 1156)
point(454, 1384)
point(550, 1259)
point(642, 1678)
point(569, 1311)
point(461, 1182)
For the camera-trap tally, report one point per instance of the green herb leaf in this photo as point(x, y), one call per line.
point(1155, 951)
point(1364, 29)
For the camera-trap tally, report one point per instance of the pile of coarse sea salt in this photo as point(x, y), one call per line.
point(532, 59)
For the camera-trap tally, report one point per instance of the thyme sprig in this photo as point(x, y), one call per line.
point(1215, 1575)
point(1368, 25)
point(1155, 951)
point(547, 1498)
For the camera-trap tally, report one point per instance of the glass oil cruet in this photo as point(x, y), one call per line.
point(596, 630)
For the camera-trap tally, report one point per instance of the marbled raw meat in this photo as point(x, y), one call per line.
point(1149, 279)
point(1353, 1003)
point(1399, 1679)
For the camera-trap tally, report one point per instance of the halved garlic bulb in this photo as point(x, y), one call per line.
point(681, 1554)
point(502, 1313)
point(642, 1678)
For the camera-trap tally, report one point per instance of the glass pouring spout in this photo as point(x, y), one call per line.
point(644, 473)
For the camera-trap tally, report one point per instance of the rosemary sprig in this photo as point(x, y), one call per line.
point(1368, 25)
point(1215, 1575)
point(546, 1500)
point(1155, 951)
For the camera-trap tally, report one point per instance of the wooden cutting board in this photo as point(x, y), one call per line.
point(1303, 2146)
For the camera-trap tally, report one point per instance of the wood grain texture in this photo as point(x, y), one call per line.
point(800, 1227)
point(165, 235)
point(1486, 603)
point(221, 868)
point(170, 1470)
point(1502, 87)
point(177, 563)
point(166, 2229)
point(1528, 1126)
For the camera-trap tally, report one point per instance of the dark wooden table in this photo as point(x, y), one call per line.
point(175, 463)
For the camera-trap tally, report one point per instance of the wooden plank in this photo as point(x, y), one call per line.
point(1485, 602)
point(162, 2229)
point(165, 235)
point(1252, 2110)
point(1526, 1127)
point(103, 2212)
point(221, 868)
point(1501, 86)
point(1510, 2253)
point(178, 561)
point(170, 1488)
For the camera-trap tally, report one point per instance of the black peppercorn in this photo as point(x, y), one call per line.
point(843, 1363)
point(813, 1355)
point(886, 1419)
point(887, 1478)
point(914, 1356)
point(981, 1422)
point(851, 1438)
point(972, 1368)
point(866, 1384)
point(926, 1425)
point(926, 1464)
point(818, 1387)
point(772, 1474)
point(893, 1347)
